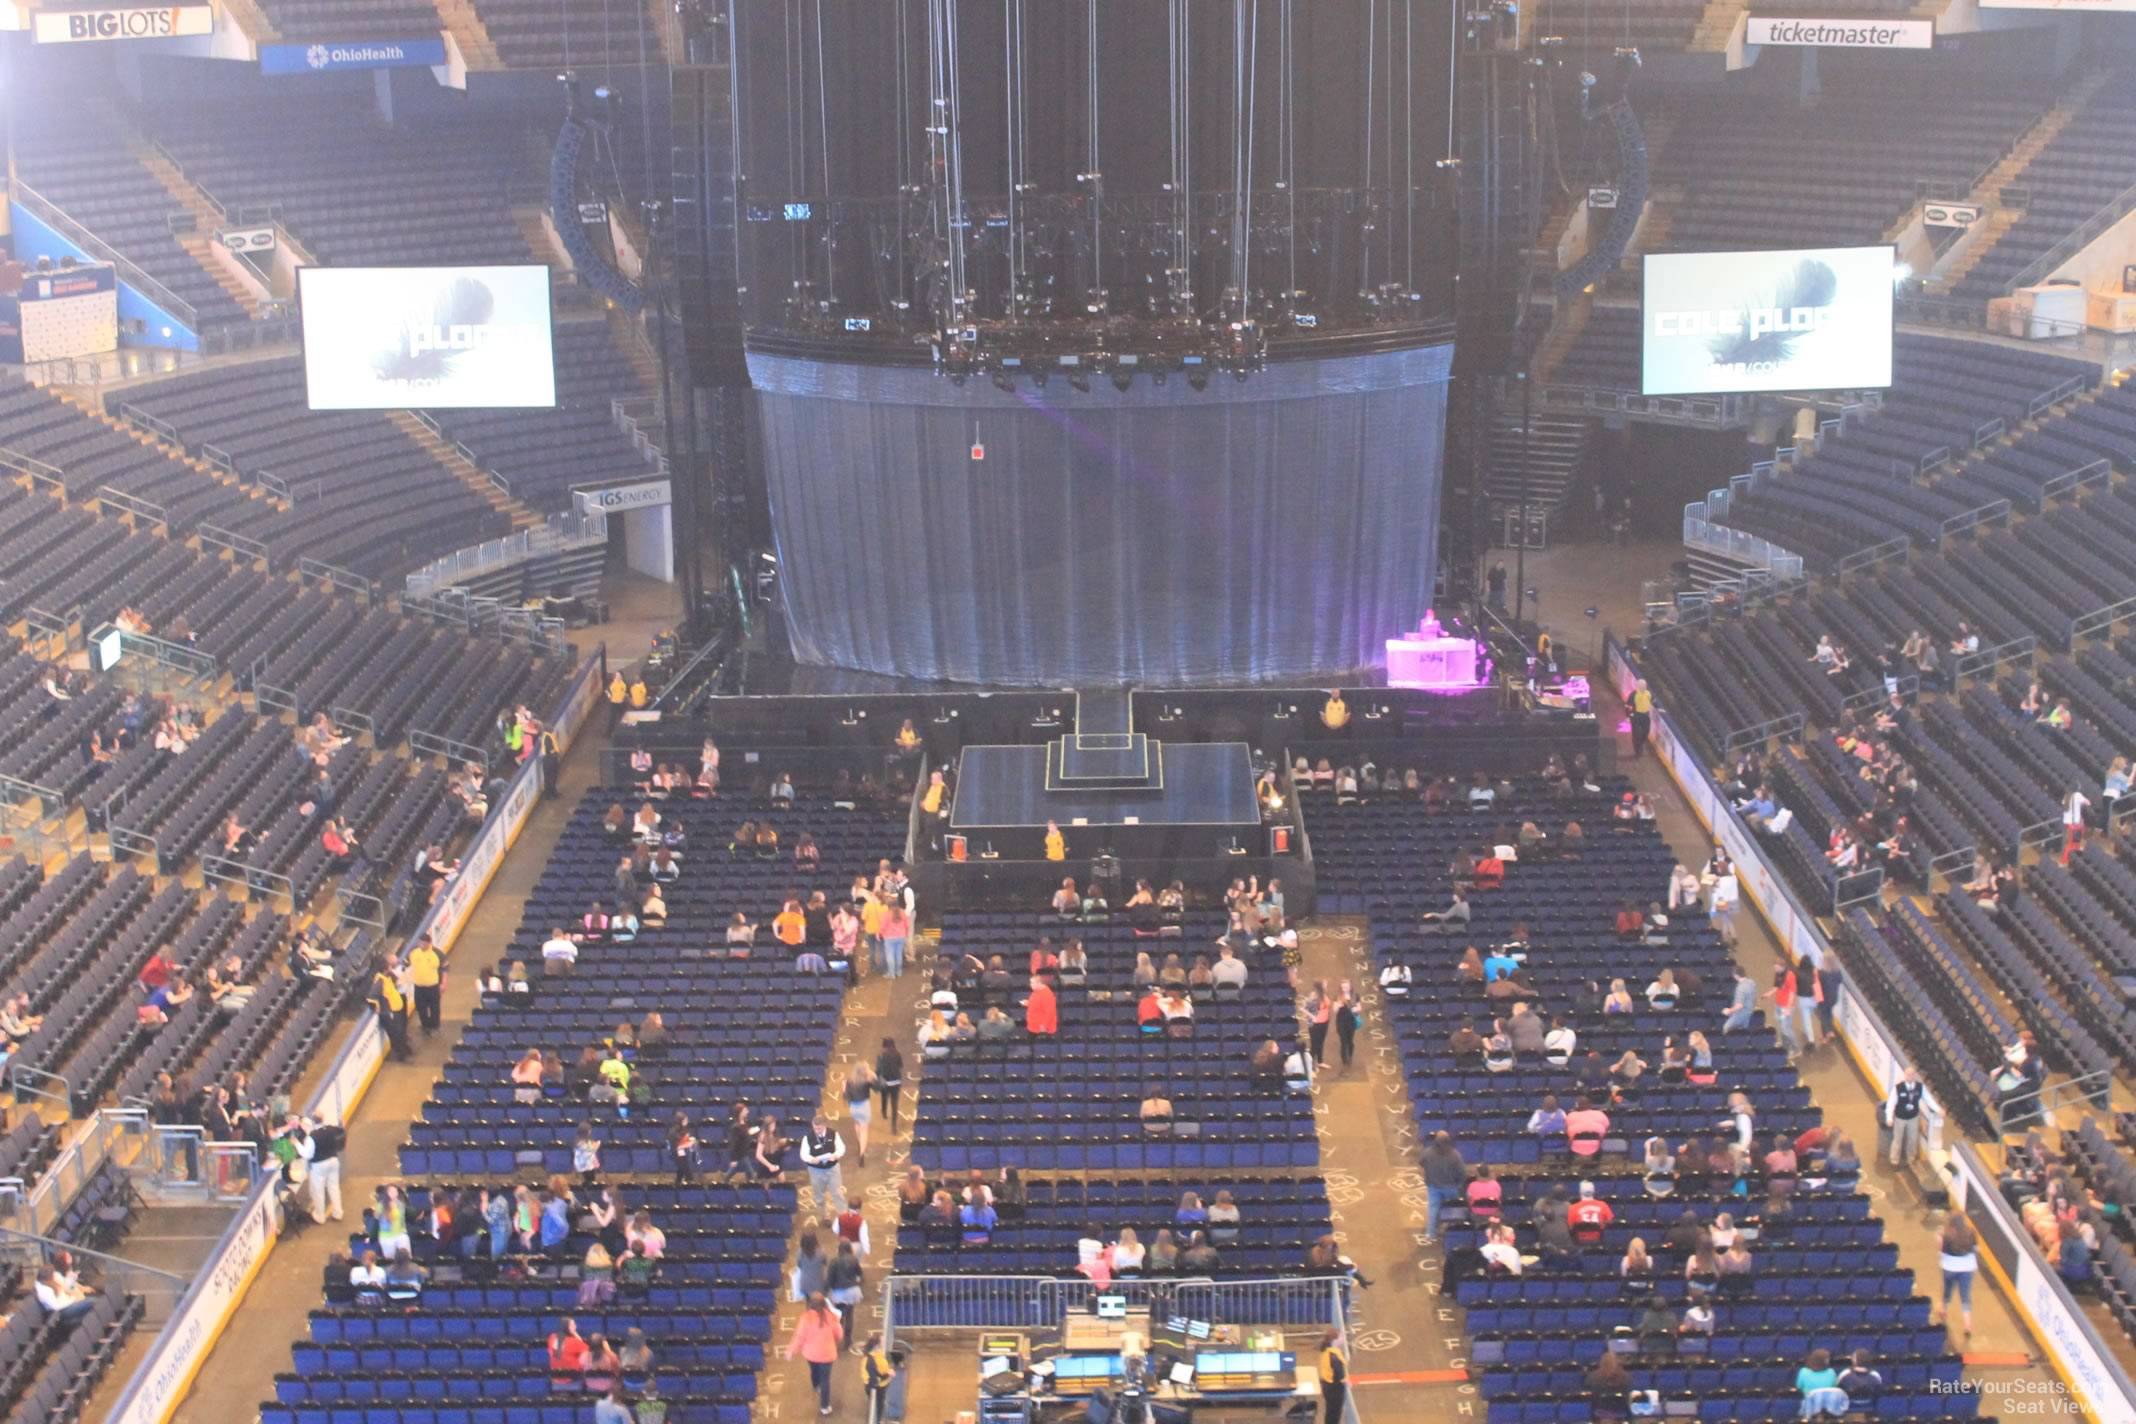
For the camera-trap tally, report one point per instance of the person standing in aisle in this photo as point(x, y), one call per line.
point(426, 978)
point(1641, 706)
point(1334, 1378)
point(816, 1339)
point(821, 1151)
point(1902, 1113)
point(1319, 1011)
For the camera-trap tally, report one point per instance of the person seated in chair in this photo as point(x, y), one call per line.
point(1156, 1111)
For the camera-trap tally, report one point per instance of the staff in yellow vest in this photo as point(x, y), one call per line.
point(1334, 1378)
point(1641, 706)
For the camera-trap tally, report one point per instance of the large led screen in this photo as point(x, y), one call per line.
point(1808, 319)
point(442, 338)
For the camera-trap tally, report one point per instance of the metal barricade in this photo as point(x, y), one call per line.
point(913, 1303)
point(2019, 1110)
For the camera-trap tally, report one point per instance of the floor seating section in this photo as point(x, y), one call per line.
point(472, 1125)
point(365, 496)
point(1071, 1102)
point(80, 159)
point(1278, 1216)
point(2082, 170)
point(474, 1351)
point(355, 190)
point(1824, 1278)
point(476, 1342)
point(543, 453)
point(1930, 454)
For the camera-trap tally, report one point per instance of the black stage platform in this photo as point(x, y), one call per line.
point(1192, 784)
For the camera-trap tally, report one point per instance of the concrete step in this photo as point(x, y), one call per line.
point(468, 31)
point(631, 341)
point(535, 233)
point(463, 470)
point(199, 248)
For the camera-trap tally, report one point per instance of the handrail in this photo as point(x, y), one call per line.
point(2094, 473)
point(183, 657)
point(38, 471)
point(1859, 887)
point(1986, 659)
point(50, 212)
point(1759, 733)
point(1989, 431)
point(559, 533)
point(2085, 233)
point(243, 548)
point(347, 580)
point(1875, 554)
point(274, 485)
point(139, 508)
point(2101, 619)
point(2055, 395)
point(1988, 513)
point(2048, 1098)
point(154, 425)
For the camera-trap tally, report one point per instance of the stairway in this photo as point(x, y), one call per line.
point(1553, 450)
point(1662, 204)
point(463, 469)
point(535, 233)
point(2009, 170)
point(467, 30)
point(89, 400)
point(632, 342)
point(1715, 25)
point(207, 219)
point(1994, 223)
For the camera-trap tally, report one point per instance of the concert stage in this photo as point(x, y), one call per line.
point(1268, 529)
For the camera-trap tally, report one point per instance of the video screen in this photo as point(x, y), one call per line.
point(1805, 319)
point(438, 338)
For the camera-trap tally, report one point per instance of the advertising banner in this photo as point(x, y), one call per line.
point(127, 22)
point(615, 499)
point(338, 58)
point(1809, 319)
point(1862, 32)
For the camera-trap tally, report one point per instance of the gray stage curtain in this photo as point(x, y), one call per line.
point(1280, 527)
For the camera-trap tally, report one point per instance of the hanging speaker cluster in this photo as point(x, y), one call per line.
point(593, 269)
point(1605, 252)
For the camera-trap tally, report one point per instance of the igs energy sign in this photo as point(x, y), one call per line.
point(151, 22)
point(1843, 34)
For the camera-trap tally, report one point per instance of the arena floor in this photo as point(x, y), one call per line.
point(1408, 1347)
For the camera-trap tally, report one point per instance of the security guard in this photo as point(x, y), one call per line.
point(426, 977)
point(1334, 1377)
point(879, 1371)
point(638, 694)
point(392, 1009)
point(1642, 710)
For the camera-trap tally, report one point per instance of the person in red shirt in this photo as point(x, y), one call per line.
point(157, 972)
point(1041, 1011)
point(567, 1356)
point(1490, 872)
point(1149, 1014)
point(1588, 1216)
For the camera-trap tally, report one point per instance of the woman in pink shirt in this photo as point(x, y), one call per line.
point(816, 1338)
point(1585, 1127)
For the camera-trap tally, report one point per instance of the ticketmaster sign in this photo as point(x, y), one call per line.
point(1843, 34)
point(335, 58)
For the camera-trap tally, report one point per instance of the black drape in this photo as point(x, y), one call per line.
point(1277, 527)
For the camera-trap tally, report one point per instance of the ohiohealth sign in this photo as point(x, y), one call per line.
point(338, 58)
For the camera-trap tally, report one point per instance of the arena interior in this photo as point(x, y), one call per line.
point(969, 711)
